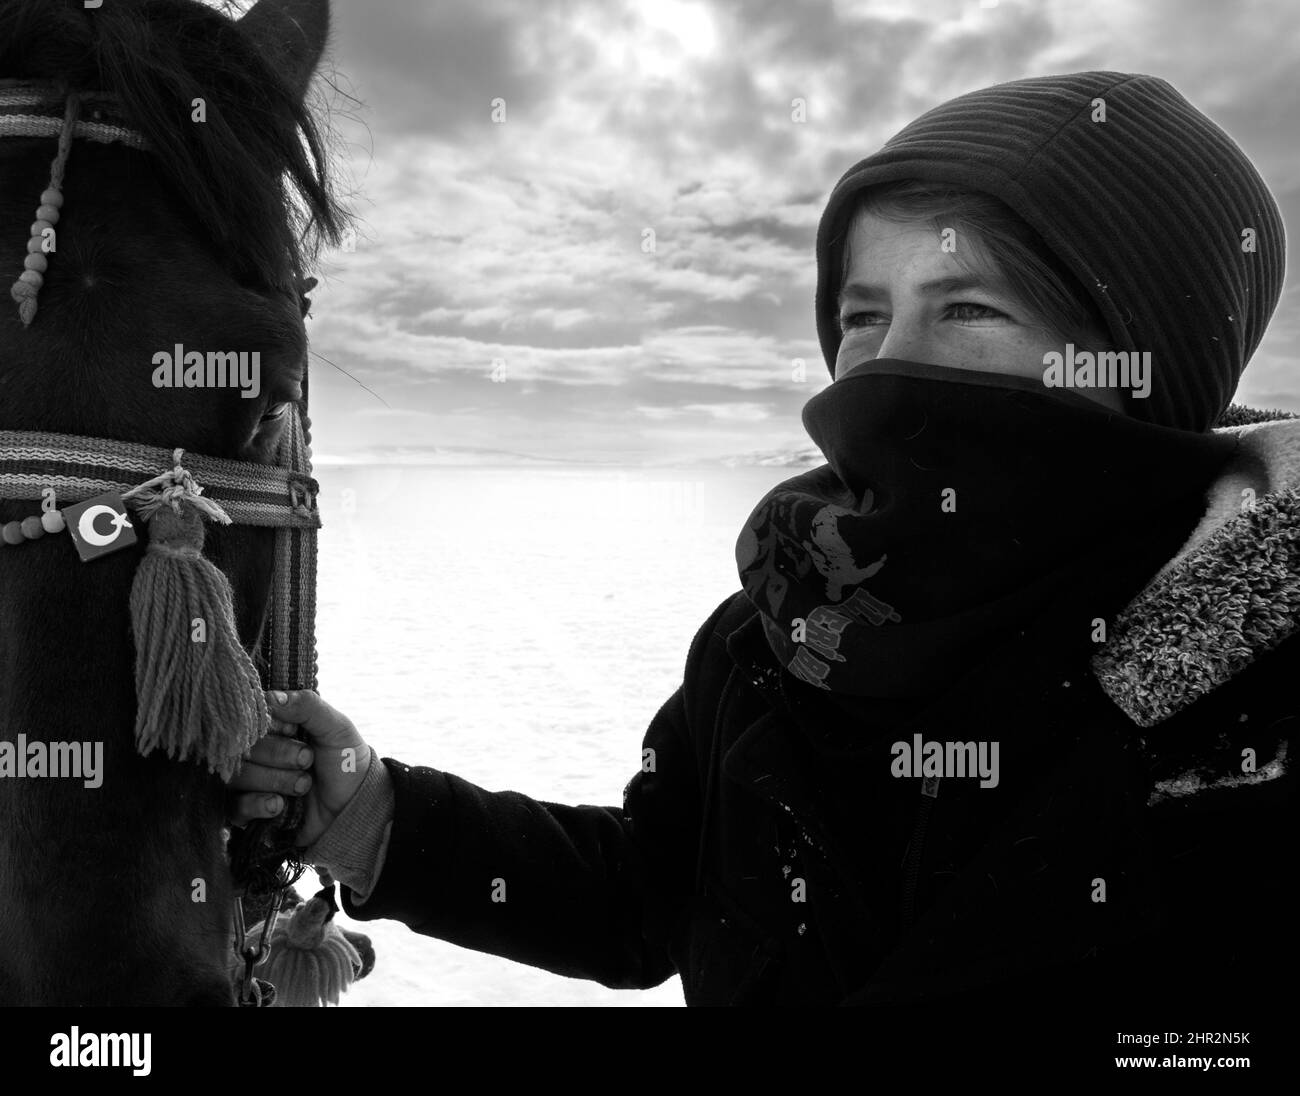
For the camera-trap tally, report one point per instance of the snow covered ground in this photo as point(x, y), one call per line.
point(518, 627)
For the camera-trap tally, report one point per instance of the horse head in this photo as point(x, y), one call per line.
point(120, 893)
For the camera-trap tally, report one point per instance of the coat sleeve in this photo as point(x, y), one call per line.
point(583, 891)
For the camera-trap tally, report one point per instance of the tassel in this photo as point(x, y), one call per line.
point(311, 961)
point(198, 693)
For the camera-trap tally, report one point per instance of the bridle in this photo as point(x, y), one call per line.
point(281, 496)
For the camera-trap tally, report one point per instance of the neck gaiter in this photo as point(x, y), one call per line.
point(952, 504)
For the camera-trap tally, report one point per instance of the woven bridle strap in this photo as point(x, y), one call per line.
point(281, 496)
point(33, 109)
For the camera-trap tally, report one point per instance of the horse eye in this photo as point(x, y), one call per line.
point(275, 413)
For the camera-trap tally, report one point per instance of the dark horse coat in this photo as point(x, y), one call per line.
point(1137, 845)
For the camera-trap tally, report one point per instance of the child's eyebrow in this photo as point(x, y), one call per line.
point(952, 284)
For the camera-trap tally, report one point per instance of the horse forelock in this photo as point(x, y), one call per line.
point(255, 172)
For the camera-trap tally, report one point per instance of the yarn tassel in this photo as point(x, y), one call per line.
point(198, 693)
point(311, 962)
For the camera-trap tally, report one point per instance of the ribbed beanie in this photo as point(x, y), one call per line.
point(1148, 209)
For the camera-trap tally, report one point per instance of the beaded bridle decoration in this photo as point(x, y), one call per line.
point(58, 469)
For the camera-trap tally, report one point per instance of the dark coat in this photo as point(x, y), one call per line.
point(767, 854)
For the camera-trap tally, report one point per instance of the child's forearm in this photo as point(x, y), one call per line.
point(354, 846)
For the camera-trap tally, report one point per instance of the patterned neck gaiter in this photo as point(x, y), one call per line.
point(953, 503)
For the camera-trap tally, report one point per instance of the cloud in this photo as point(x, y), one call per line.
point(633, 244)
point(724, 412)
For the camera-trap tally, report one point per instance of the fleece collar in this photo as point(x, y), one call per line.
point(1229, 595)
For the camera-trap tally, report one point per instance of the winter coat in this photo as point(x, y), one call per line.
point(1138, 842)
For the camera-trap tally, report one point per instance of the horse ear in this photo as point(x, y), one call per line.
point(291, 35)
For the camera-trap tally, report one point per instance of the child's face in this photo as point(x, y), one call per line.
point(887, 309)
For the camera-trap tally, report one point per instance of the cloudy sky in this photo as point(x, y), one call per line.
point(629, 248)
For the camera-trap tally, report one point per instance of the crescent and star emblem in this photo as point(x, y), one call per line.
point(91, 535)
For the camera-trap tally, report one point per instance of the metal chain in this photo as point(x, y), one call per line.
point(263, 993)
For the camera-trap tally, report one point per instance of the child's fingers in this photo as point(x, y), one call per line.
point(252, 805)
point(253, 777)
point(321, 722)
point(278, 752)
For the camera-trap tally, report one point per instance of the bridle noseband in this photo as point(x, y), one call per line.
point(282, 496)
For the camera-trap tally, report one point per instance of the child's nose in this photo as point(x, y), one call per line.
point(905, 338)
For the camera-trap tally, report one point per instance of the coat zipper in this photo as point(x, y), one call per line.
point(912, 857)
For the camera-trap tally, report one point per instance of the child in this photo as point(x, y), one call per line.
point(1001, 712)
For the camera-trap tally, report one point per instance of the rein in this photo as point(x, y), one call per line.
point(282, 496)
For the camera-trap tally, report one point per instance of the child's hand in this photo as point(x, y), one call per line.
point(327, 769)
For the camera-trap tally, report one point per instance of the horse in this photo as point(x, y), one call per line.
point(121, 893)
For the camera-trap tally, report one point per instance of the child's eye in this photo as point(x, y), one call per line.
point(961, 311)
point(855, 319)
point(983, 312)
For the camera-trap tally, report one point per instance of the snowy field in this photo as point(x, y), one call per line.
point(519, 628)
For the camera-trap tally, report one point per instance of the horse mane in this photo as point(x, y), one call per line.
point(254, 174)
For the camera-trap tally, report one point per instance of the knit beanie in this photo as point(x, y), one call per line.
point(1155, 210)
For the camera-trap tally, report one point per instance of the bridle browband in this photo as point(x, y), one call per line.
point(282, 496)
point(33, 109)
